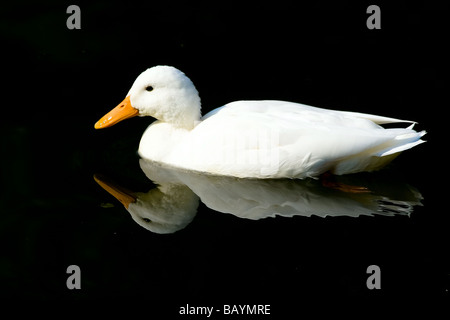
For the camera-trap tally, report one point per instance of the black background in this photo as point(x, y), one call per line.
point(59, 82)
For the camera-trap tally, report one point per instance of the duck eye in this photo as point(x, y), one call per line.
point(149, 88)
point(146, 219)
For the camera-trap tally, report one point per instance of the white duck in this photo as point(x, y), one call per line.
point(258, 139)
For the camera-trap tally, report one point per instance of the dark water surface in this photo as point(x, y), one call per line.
point(60, 81)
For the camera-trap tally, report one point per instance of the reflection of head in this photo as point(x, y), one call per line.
point(166, 209)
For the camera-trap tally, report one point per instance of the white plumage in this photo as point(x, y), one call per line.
point(259, 139)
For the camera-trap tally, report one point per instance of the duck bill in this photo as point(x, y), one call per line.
point(123, 111)
point(122, 194)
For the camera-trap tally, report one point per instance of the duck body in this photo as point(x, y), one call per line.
point(259, 139)
point(278, 139)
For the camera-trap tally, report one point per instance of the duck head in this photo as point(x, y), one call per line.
point(162, 92)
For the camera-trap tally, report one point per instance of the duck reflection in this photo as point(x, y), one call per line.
point(173, 204)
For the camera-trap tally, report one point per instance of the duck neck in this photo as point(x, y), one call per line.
point(182, 114)
point(187, 121)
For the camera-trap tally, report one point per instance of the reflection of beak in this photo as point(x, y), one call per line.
point(123, 111)
point(122, 194)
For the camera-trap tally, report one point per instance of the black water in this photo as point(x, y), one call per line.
point(60, 81)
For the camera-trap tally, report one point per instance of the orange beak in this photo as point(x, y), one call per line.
point(123, 111)
point(122, 194)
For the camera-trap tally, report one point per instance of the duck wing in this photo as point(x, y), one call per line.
point(303, 141)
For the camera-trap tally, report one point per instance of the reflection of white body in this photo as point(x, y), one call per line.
point(173, 204)
point(259, 139)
